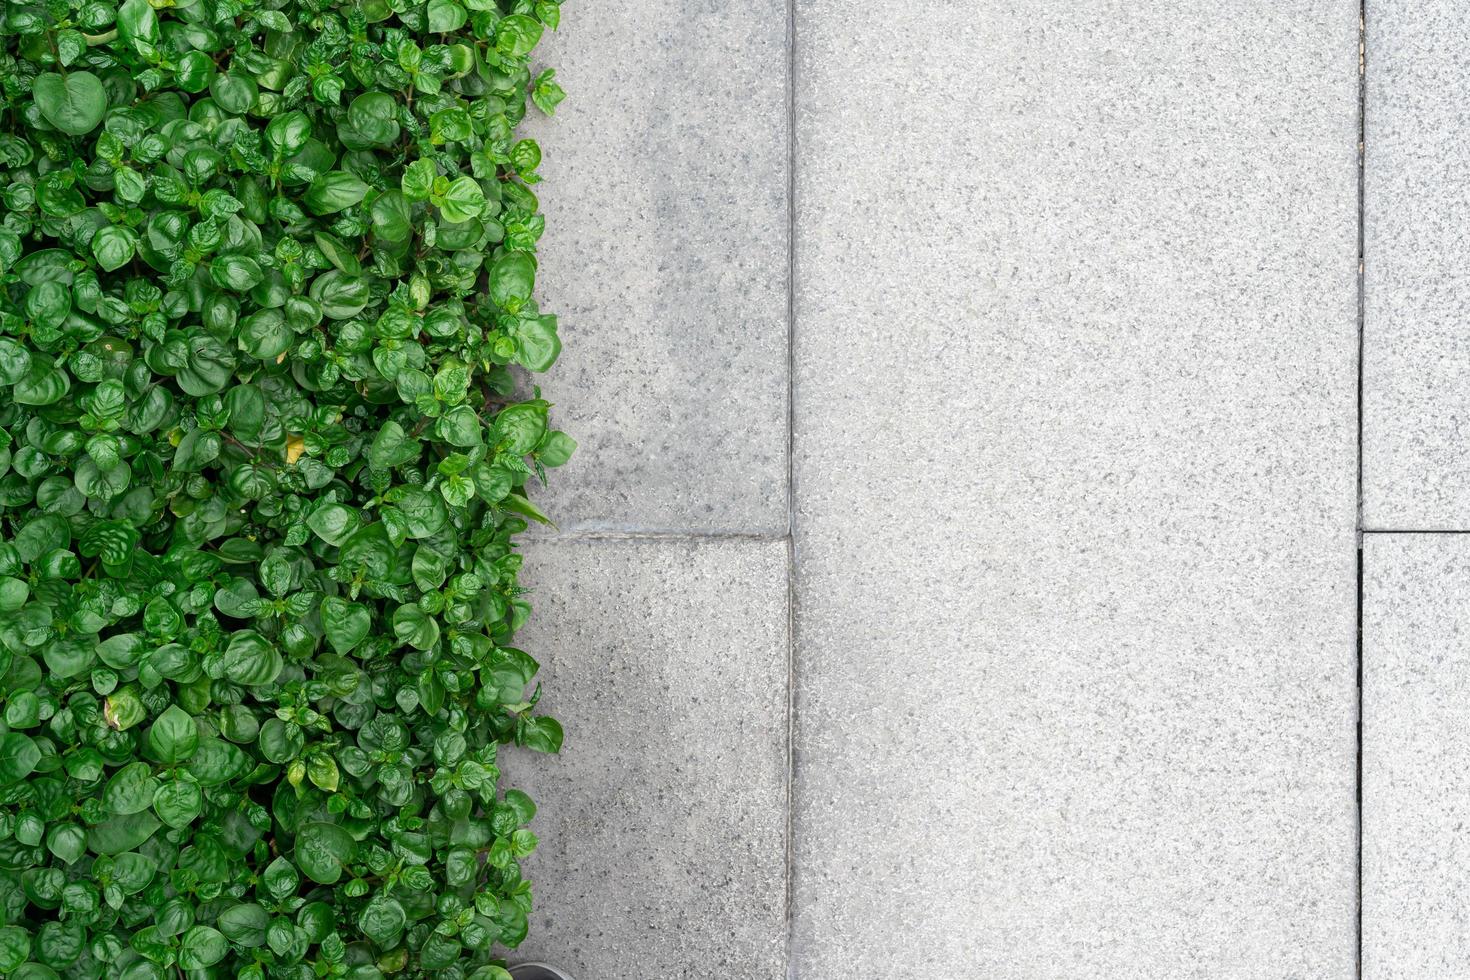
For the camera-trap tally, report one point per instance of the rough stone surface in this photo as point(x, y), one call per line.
point(663, 822)
point(1416, 364)
point(1416, 757)
point(665, 257)
point(1075, 483)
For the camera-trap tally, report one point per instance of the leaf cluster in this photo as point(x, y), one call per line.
point(266, 293)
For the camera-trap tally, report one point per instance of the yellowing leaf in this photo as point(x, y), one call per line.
point(295, 446)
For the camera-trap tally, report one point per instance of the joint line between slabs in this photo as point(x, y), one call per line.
point(791, 566)
point(1361, 531)
point(593, 534)
point(1415, 530)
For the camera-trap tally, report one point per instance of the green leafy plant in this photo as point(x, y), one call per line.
point(266, 277)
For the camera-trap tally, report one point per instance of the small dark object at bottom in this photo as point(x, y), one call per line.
point(538, 971)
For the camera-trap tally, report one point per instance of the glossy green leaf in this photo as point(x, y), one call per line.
point(512, 277)
point(67, 842)
point(322, 851)
point(174, 736)
point(462, 200)
point(118, 834)
point(542, 734)
point(446, 16)
point(374, 117)
point(335, 191)
point(333, 523)
point(15, 361)
point(414, 627)
point(521, 428)
point(131, 789)
point(418, 180)
point(555, 448)
point(23, 710)
point(138, 24)
point(74, 103)
point(322, 770)
point(392, 217)
point(280, 741)
point(517, 35)
point(382, 920)
point(251, 659)
point(245, 924)
point(202, 947)
point(178, 803)
point(42, 384)
point(15, 948)
point(346, 624)
point(18, 757)
point(196, 70)
point(216, 762)
point(539, 344)
point(288, 132)
point(113, 247)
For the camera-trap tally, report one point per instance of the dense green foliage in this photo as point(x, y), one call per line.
point(266, 273)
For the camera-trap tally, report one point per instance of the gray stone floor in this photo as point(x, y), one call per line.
point(960, 578)
point(1416, 781)
point(1416, 477)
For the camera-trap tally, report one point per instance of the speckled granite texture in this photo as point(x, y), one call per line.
point(1075, 467)
point(663, 822)
point(1416, 740)
point(665, 257)
point(1416, 366)
point(1075, 483)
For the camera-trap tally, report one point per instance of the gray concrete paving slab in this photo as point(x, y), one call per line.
point(665, 257)
point(1075, 467)
point(663, 822)
point(1416, 743)
point(1416, 199)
